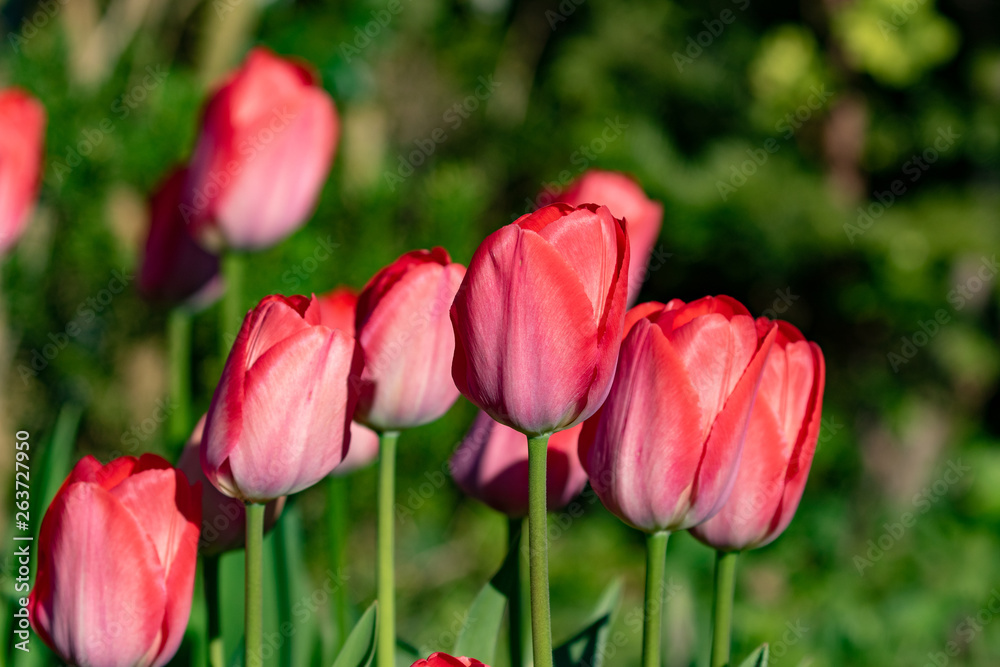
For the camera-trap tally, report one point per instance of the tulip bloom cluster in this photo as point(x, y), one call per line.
point(681, 415)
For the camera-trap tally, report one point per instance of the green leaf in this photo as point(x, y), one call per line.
point(586, 648)
point(406, 654)
point(359, 649)
point(758, 658)
point(478, 637)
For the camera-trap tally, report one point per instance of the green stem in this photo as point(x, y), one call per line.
point(336, 510)
point(233, 308)
point(722, 614)
point(179, 341)
point(216, 650)
point(656, 556)
point(386, 548)
point(538, 550)
point(254, 607)
point(514, 528)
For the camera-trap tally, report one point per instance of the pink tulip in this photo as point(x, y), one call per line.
point(404, 329)
point(22, 139)
point(174, 267)
point(491, 465)
point(538, 320)
point(662, 452)
point(445, 660)
point(223, 519)
point(626, 200)
point(116, 563)
point(337, 310)
point(267, 140)
point(781, 440)
point(279, 420)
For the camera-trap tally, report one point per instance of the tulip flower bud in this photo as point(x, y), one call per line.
point(280, 417)
point(174, 267)
point(780, 442)
point(445, 660)
point(626, 200)
point(116, 562)
point(538, 319)
point(662, 452)
point(22, 136)
point(267, 140)
point(491, 465)
point(404, 329)
point(337, 310)
point(223, 519)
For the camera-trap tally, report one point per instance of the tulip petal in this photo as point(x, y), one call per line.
point(521, 289)
point(297, 409)
point(100, 596)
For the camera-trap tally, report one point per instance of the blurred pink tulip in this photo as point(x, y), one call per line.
point(174, 267)
point(538, 320)
point(116, 563)
point(267, 140)
point(781, 440)
point(404, 329)
point(22, 139)
point(626, 200)
point(280, 418)
point(663, 451)
point(223, 519)
point(491, 465)
point(445, 660)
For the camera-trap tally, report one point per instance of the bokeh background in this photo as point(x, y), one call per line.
point(849, 95)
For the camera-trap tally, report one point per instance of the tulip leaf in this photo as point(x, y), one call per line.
point(359, 649)
point(587, 648)
point(479, 634)
point(758, 658)
point(406, 654)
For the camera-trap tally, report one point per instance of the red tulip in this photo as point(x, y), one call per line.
point(781, 440)
point(491, 465)
point(223, 519)
point(445, 660)
point(626, 200)
point(403, 327)
point(267, 140)
point(116, 563)
point(538, 320)
point(337, 310)
point(280, 417)
point(663, 450)
point(174, 267)
point(22, 138)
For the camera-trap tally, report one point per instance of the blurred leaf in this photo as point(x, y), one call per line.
point(359, 649)
point(758, 658)
point(587, 647)
point(406, 654)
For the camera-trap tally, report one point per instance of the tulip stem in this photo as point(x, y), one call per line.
point(336, 511)
point(233, 310)
point(386, 582)
point(179, 343)
point(538, 551)
point(722, 614)
point(514, 528)
point(254, 607)
point(656, 556)
point(216, 651)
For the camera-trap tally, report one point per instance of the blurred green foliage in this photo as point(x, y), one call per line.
point(812, 231)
